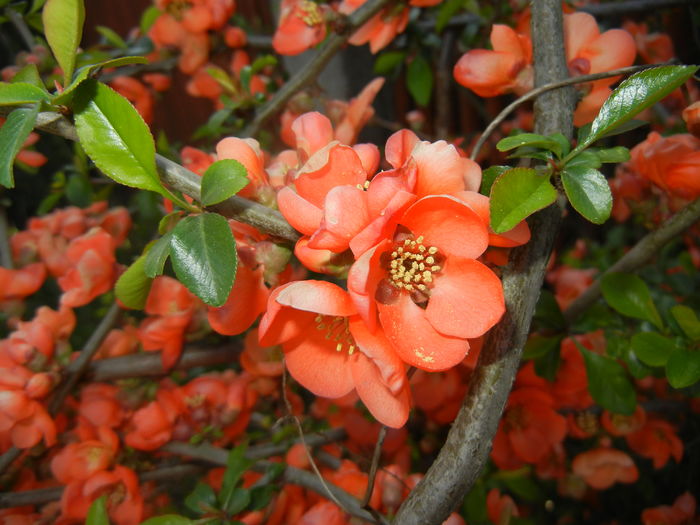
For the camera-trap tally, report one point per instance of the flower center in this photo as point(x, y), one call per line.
point(413, 264)
point(336, 330)
point(312, 14)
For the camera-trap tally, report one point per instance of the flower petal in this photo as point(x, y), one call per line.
point(467, 299)
point(319, 297)
point(300, 213)
point(449, 224)
point(390, 409)
point(414, 338)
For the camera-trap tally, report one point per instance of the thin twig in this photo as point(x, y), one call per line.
point(183, 180)
point(150, 364)
point(310, 71)
point(42, 496)
point(530, 95)
point(5, 250)
point(632, 6)
point(373, 467)
point(639, 255)
point(78, 367)
point(21, 27)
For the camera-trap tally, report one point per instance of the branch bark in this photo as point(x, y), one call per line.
point(468, 443)
point(306, 75)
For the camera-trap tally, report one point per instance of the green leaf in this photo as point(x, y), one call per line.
point(29, 74)
point(156, 256)
point(547, 365)
point(202, 499)
point(608, 383)
point(111, 37)
point(239, 499)
point(447, 10)
point(148, 18)
point(516, 194)
point(13, 133)
point(223, 179)
point(236, 465)
point(613, 155)
point(683, 368)
point(585, 159)
point(63, 27)
point(260, 497)
point(388, 61)
point(203, 254)
point(419, 79)
point(634, 95)
point(115, 136)
point(168, 519)
point(91, 70)
point(12, 94)
point(652, 348)
point(548, 313)
point(538, 345)
point(630, 296)
point(488, 176)
point(532, 140)
point(588, 192)
point(133, 285)
point(262, 62)
point(97, 514)
point(687, 320)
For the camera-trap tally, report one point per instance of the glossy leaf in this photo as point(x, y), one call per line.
point(687, 320)
point(516, 194)
point(203, 255)
point(652, 348)
point(111, 37)
point(634, 95)
point(585, 130)
point(613, 155)
point(155, 257)
point(530, 139)
point(115, 136)
point(488, 176)
point(683, 367)
point(13, 133)
point(419, 79)
point(608, 383)
point(260, 497)
point(15, 93)
point(539, 345)
point(236, 465)
point(97, 514)
point(237, 501)
point(223, 179)
point(202, 499)
point(630, 296)
point(86, 72)
point(585, 159)
point(548, 314)
point(133, 285)
point(588, 192)
point(63, 27)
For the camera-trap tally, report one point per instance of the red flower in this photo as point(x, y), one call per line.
point(330, 351)
point(681, 512)
point(302, 25)
point(426, 285)
point(656, 440)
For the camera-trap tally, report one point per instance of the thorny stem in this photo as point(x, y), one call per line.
point(642, 252)
point(183, 180)
point(468, 443)
point(310, 71)
point(546, 88)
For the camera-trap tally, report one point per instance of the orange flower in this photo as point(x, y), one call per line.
point(506, 68)
point(93, 271)
point(656, 440)
point(652, 47)
point(681, 512)
point(691, 116)
point(500, 507)
point(330, 351)
point(302, 25)
point(601, 468)
point(424, 282)
point(20, 283)
point(529, 429)
point(381, 29)
point(151, 427)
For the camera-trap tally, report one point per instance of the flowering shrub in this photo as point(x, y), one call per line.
point(324, 310)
